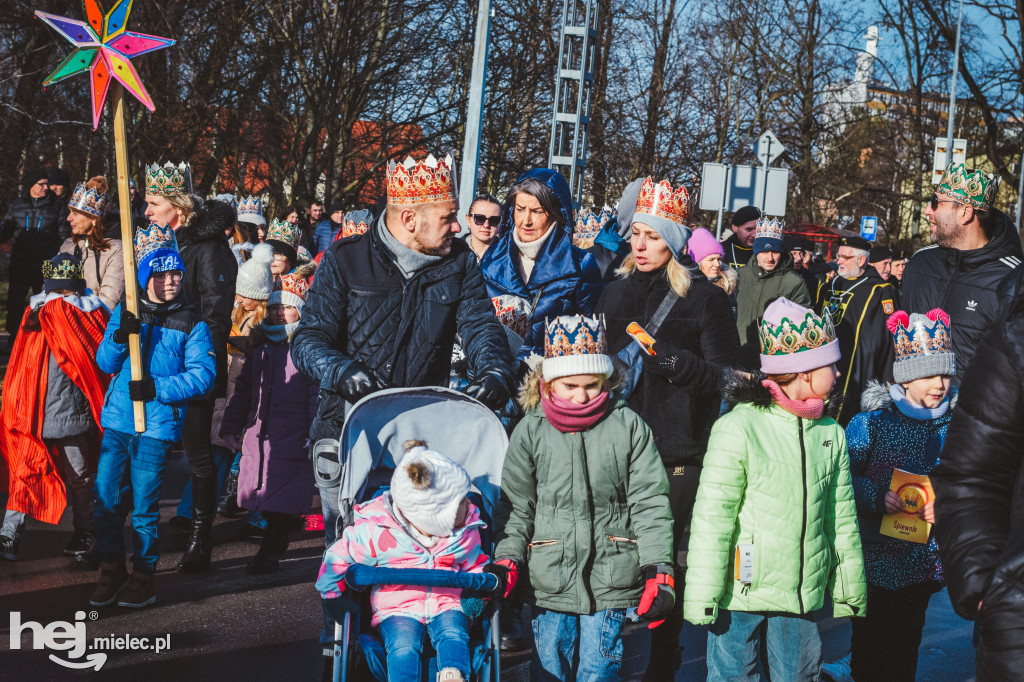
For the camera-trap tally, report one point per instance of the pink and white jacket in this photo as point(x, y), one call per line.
point(376, 538)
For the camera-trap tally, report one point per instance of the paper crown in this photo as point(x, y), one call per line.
point(924, 347)
point(249, 208)
point(290, 290)
point(791, 336)
point(154, 237)
point(169, 180)
point(574, 335)
point(769, 229)
point(66, 268)
point(590, 224)
point(356, 222)
point(513, 312)
point(660, 201)
point(972, 188)
point(412, 183)
point(89, 201)
point(283, 231)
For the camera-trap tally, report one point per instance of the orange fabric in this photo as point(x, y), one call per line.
point(72, 336)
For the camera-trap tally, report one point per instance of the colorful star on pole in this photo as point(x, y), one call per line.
point(103, 47)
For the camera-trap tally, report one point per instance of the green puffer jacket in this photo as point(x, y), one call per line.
point(584, 511)
point(755, 289)
point(782, 484)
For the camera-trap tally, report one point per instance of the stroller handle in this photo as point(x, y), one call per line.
point(359, 575)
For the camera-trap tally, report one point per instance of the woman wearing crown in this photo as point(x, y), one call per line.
point(677, 394)
point(209, 284)
point(101, 256)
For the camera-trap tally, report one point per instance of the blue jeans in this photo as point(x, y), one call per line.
point(403, 640)
point(128, 479)
point(793, 645)
point(556, 637)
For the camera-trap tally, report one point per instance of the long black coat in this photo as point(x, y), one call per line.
point(979, 492)
point(682, 407)
point(360, 309)
point(39, 227)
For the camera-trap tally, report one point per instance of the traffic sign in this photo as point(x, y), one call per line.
point(730, 188)
point(939, 162)
point(868, 227)
point(768, 148)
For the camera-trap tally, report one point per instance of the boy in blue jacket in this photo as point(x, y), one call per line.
point(179, 365)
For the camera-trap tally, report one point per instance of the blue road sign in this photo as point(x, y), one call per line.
point(868, 227)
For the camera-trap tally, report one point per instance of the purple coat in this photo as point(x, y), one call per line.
point(274, 405)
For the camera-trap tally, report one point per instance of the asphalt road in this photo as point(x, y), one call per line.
point(227, 625)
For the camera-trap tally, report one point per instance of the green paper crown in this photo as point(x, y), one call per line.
point(972, 188)
point(169, 180)
point(788, 337)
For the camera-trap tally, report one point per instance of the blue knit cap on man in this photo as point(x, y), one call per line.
point(768, 236)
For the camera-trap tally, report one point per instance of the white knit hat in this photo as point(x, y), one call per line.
point(427, 488)
point(290, 290)
point(574, 344)
point(255, 280)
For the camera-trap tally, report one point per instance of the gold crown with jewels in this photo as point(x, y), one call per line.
point(169, 180)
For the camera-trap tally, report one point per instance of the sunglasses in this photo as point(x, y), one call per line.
point(492, 220)
point(934, 203)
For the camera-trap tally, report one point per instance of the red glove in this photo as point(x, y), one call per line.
point(511, 576)
point(659, 594)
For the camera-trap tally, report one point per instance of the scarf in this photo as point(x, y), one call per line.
point(812, 408)
point(528, 251)
point(569, 417)
point(279, 332)
point(409, 262)
point(918, 412)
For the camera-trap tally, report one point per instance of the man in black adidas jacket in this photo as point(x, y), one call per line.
point(976, 249)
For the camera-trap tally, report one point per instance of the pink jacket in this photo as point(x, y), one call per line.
point(376, 538)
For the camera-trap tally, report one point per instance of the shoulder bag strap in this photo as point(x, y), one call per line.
point(661, 313)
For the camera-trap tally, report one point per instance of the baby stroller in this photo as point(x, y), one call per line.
point(369, 449)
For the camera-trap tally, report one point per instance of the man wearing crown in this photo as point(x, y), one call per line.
point(976, 247)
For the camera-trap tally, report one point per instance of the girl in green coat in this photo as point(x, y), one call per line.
point(775, 522)
point(584, 510)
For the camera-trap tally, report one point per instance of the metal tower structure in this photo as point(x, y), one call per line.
point(574, 87)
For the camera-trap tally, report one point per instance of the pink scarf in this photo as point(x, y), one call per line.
point(812, 408)
point(569, 417)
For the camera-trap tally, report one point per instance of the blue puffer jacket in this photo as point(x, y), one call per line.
point(177, 352)
point(565, 280)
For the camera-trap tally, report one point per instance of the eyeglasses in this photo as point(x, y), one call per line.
point(480, 219)
point(172, 275)
point(280, 257)
point(934, 203)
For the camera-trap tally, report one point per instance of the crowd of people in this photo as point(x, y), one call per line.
point(703, 432)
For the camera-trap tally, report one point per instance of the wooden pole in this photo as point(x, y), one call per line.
point(131, 302)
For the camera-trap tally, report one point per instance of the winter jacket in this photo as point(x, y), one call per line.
point(376, 538)
point(736, 256)
point(755, 289)
point(274, 405)
point(609, 250)
point(240, 343)
point(880, 439)
point(210, 271)
point(323, 237)
point(104, 270)
point(565, 280)
point(584, 512)
point(964, 284)
point(782, 484)
point(680, 407)
point(176, 352)
point(979, 492)
point(860, 308)
point(361, 309)
point(38, 226)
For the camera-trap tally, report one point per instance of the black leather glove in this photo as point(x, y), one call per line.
point(659, 594)
point(507, 574)
point(144, 389)
point(358, 381)
point(491, 389)
point(129, 325)
point(668, 362)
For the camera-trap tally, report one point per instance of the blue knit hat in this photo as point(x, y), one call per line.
point(156, 250)
point(768, 236)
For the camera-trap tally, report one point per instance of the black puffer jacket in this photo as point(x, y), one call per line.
point(979, 492)
point(39, 227)
point(360, 309)
point(210, 271)
point(963, 283)
point(680, 408)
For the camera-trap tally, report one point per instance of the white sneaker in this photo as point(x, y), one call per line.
point(838, 671)
point(450, 675)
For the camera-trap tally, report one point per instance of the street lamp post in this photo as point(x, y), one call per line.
point(952, 87)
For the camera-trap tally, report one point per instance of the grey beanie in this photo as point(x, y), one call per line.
point(255, 280)
point(924, 346)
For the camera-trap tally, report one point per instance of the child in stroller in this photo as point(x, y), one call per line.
point(424, 521)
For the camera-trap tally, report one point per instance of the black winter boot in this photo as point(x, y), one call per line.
point(228, 505)
point(200, 545)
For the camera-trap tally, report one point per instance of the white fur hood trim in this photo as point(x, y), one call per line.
point(86, 304)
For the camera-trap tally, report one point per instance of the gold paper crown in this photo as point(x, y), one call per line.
point(283, 231)
point(89, 201)
point(789, 337)
point(169, 180)
point(413, 183)
point(66, 268)
point(661, 202)
point(972, 188)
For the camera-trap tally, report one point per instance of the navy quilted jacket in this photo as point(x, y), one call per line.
point(359, 308)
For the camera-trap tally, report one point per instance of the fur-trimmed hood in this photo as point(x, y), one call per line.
point(742, 387)
point(876, 396)
point(209, 223)
point(728, 279)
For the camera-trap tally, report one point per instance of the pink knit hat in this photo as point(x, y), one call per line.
point(794, 339)
point(703, 244)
